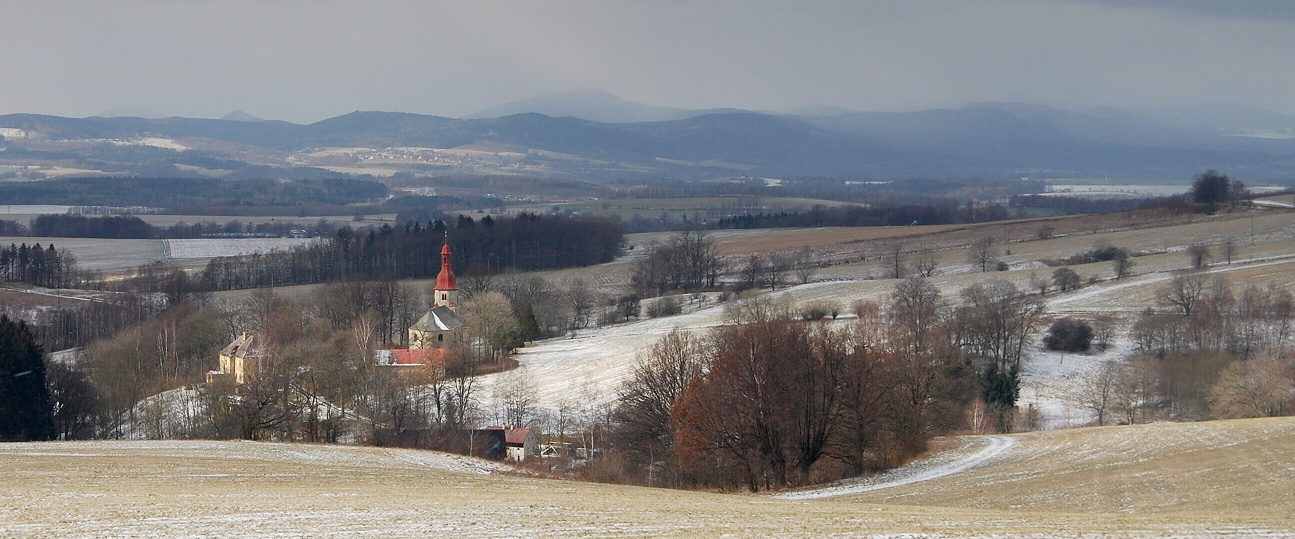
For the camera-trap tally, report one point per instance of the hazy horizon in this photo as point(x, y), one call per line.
point(306, 61)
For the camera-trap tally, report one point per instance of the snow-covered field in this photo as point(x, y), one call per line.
point(32, 209)
point(214, 247)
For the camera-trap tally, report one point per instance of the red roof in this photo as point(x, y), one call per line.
point(513, 436)
point(445, 279)
point(424, 356)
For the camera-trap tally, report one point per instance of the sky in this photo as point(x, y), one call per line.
point(305, 61)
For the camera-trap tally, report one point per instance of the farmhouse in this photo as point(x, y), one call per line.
point(240, 361)
point(515, 444)
point(429, 338)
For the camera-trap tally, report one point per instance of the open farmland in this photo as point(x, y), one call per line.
point(214, 247)
point(101, 254)
point(1185, 480)
point(590, 365)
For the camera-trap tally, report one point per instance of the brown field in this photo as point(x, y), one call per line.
point(1187, 480)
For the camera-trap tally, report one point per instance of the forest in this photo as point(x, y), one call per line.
point(526, 242)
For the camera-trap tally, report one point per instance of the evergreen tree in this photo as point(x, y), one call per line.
point(25, 412)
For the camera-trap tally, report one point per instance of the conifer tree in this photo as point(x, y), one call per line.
point(25, 412)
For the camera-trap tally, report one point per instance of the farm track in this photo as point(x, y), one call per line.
point(926, 469)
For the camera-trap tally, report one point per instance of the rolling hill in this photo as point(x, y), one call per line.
point(996, 140)
point(1186, 480)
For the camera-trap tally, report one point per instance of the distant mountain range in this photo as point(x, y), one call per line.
point(594, 135)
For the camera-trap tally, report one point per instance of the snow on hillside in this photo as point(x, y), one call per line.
point(214, 247)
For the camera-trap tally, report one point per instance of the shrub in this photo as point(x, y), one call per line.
point(666, 306)
point(1069, 335)
point(816, 310)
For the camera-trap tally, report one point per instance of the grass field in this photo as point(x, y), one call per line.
point(1214, 479)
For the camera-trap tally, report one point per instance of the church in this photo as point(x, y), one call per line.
point(432, 334)
point(429, 337)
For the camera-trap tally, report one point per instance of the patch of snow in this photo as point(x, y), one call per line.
point(214, 247)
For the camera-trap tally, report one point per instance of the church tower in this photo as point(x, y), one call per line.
point(447, 289)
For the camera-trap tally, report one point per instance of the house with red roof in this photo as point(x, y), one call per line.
point(511, 443)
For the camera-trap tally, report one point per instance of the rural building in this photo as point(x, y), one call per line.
point(436, 330)
point(515, 444)
point(240, 361)
point(429, 337)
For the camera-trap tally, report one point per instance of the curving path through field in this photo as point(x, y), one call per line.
point(940, 465)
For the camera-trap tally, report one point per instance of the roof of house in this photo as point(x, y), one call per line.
point(245, 346)
point(438, 319)
point(513, 436)
point(401, 357)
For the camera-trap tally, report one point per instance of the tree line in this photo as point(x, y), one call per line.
point(41, 266)
point(526, 242)
point(132, 227)
point(946, 212)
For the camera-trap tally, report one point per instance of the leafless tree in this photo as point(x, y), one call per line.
point(475, 280)
point(752, 271)
point(490, 324)
point(896, 268)
point(515, 397)
point(983, 253)
point(1122, 263)
point(776, 268)
point(1229, 249)
point(1261, 387)
point(1065, 279)
point(1200, 255)
point(926, 264)
point(581, 301)
point(642, 415)
point(805, 267)
point(1184, 290)
point(1095, 390)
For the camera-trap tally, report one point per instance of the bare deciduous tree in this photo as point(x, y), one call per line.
point(1121, 263)
point(926, 264)
point(896, 268)
point(983, 253)
point(1200, 255)
point(1184, 290)
point(1260, 387)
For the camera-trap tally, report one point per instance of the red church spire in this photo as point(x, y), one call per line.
point(445, 280)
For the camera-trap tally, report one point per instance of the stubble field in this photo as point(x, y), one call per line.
point(1213, 479)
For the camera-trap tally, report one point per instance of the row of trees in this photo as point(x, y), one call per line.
point(526, 242)
point(41, 266)
point(945, 212)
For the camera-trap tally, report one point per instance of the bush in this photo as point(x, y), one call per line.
point(818, 310)
point(1069, 335)
point(666, 306)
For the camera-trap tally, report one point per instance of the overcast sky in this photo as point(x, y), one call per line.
point(305, 61)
